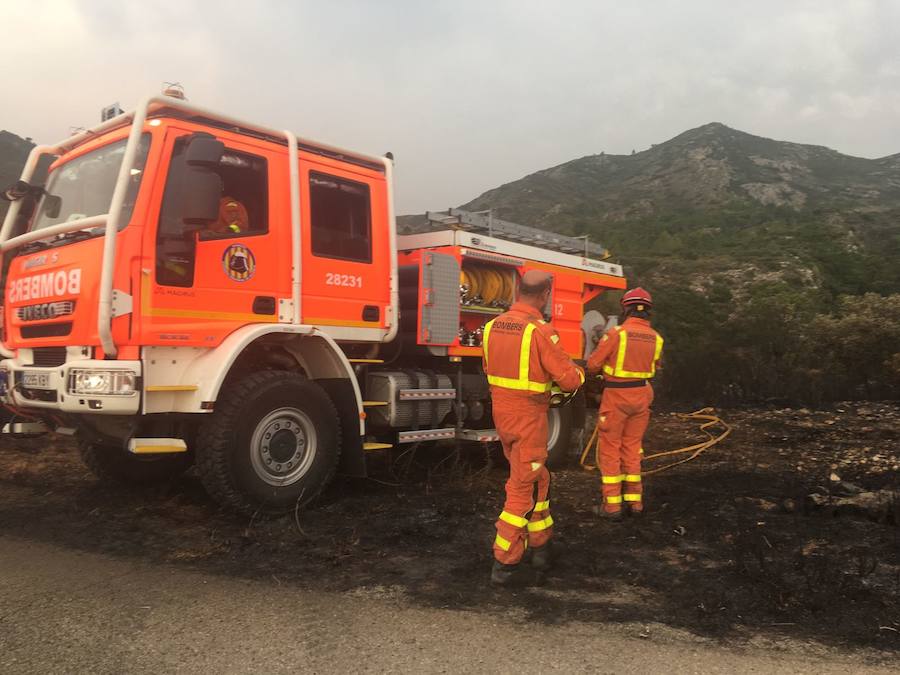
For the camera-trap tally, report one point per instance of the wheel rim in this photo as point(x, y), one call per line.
point(283, 446)
point(554, 423)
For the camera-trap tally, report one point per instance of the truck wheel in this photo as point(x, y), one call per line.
point(273, 441)
point(115, 465)
point(565, 433)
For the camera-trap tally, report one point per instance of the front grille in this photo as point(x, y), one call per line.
point(46, 310)
point(48, 357)
point(47, 330)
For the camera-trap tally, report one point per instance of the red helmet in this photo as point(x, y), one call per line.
point(637, 296)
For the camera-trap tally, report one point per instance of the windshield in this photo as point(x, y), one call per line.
point(83, 187)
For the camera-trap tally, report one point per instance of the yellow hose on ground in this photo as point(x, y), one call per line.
point(697, 449)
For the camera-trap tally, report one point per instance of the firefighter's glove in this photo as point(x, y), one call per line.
point(557, 397)
point(560, 398)
point(594, 385)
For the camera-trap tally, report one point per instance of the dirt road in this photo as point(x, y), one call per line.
point(77, 612)
point(727, 558)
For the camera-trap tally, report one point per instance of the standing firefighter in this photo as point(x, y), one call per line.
point(522, 360)
point(627, 357)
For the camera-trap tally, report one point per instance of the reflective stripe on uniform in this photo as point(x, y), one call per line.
point(521, 383)
point(540, 525)
point(614, 499)
point(542, 506)
point(632, 478)
point(502, 543)
point(516, 521)
point(658, 352)
point(613, 480)
point(631, 497)
point(484, 339)
point(619, 369)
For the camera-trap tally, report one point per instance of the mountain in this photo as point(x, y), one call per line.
point(712, 167)
point(759, 253)
point(724, 199)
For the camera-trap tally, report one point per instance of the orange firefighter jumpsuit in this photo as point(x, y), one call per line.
point(522, 359)
point(233, 217)
point(628, 356)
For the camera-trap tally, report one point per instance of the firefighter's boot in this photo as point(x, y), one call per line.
point(609, 516)
point(508, 575)
point(542, 558)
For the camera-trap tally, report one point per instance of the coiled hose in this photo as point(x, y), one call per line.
point(707, 414)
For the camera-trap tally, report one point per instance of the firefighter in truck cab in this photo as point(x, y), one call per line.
point(627, 357)
point(522, 360)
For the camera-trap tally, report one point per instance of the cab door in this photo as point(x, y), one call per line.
point(345, 255)
point(209, 280)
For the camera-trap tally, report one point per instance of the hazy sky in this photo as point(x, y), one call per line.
point(469, 95)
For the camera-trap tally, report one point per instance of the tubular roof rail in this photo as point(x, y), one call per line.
point(162, 106)
point(483, 221)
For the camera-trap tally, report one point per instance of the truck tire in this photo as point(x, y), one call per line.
point(273, 441)
point(115, 465)
point(5, 417)
point(565, 433)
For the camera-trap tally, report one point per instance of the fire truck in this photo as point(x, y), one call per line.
point(271, 350)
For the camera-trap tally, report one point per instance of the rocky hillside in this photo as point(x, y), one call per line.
point(761, 253)
point(712, 167)
point(719, 205)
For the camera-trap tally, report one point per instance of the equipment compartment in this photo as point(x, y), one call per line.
point(485, 290)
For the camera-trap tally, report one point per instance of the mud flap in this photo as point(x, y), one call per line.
point(340, 391)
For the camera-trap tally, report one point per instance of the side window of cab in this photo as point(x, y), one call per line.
point(341, 215)
point(243, 208)
point(243, 211)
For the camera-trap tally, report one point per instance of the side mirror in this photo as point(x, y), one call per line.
point(201, 187)
point(52, 206)
point(201, 190)
point(203, 151)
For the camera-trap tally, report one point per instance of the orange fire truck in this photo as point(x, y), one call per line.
point(192, 288)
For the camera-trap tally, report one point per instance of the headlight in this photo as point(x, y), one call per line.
point(102, 382)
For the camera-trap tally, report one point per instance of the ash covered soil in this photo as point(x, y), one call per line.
point(731, 547)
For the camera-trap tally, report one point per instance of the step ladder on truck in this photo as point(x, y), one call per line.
point(192, 288)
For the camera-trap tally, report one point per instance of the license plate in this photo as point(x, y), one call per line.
point(32, 379)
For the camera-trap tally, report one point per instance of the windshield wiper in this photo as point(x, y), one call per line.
point(32, 246)
point(41, 244)
point(77, 235)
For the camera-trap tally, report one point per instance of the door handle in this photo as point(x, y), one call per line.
point(264, 304)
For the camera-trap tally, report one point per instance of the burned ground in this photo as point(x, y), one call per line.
point(729, 548)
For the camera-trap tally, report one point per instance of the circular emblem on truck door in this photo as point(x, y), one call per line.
point(238, 262)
